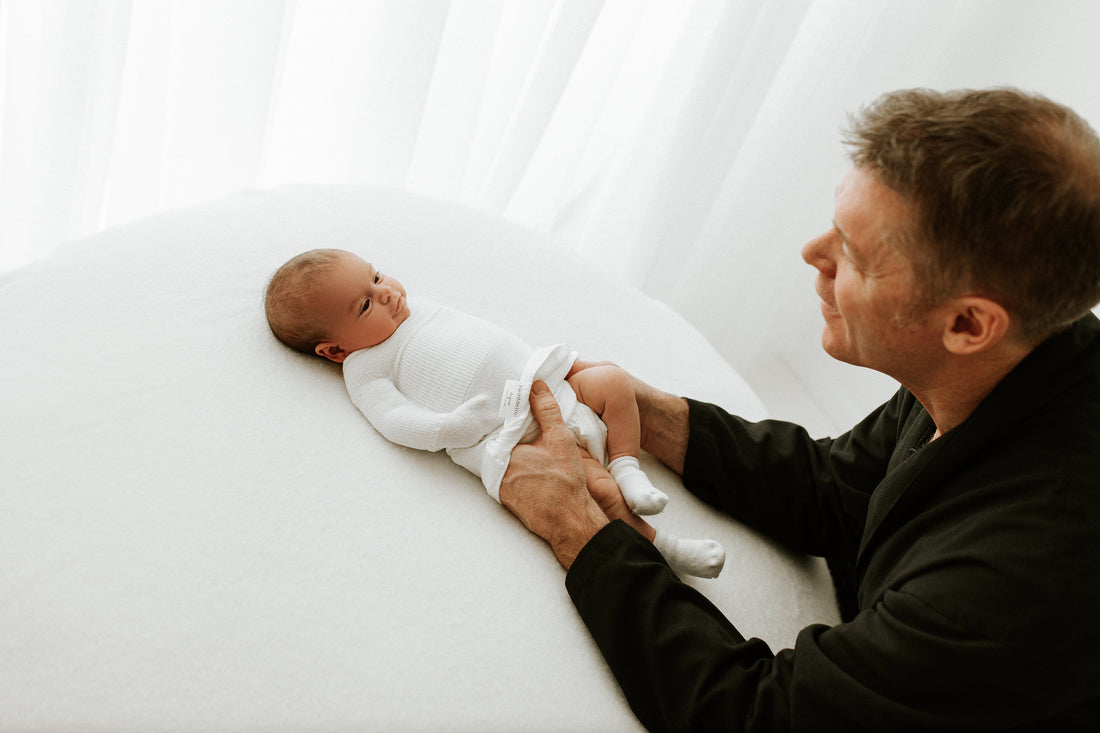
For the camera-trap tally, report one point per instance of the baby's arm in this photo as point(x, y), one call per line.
point(412, 425)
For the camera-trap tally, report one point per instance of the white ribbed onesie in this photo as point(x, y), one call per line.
point(439, 382)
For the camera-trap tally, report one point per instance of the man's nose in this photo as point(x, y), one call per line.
point(818, 253)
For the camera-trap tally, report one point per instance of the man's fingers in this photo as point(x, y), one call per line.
point(545, 408)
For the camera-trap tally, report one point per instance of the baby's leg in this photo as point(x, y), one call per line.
point(606, 389)
point(700, 558)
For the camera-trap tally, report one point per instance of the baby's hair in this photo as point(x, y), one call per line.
point(289, 292)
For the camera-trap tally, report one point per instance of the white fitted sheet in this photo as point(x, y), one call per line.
point(199, 531)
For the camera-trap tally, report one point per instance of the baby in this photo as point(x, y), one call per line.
point(430, 377)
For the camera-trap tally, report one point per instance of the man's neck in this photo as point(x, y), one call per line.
point(959, 386)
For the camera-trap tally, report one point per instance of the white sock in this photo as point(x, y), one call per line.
point(701, 558)
point(641, 496)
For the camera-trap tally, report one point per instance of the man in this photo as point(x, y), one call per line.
point(961, 519)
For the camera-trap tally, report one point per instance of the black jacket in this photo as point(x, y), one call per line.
point(974, 557)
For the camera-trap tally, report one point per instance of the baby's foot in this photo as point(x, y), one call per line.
point(641, 496)
point(700, 558)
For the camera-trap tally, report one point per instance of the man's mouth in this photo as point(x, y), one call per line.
point(827, 307)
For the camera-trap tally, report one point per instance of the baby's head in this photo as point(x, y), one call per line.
point(330, 302)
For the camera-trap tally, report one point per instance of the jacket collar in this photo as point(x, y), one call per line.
point(1059, 363)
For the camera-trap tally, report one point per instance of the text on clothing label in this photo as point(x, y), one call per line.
point(514, 400)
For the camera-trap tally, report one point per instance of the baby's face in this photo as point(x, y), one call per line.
point(360, 306)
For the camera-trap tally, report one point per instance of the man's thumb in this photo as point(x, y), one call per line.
point(543, 406)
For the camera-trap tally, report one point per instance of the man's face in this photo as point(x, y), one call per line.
point(360, 306)
point(868, 289)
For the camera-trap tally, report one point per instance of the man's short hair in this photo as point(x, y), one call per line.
point(1006, 188)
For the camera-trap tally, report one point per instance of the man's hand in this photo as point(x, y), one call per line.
point(546, 486)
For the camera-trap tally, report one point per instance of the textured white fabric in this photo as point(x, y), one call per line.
point(438, 382)
point(199, 531)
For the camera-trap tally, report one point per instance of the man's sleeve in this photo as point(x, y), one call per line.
point(811, 495)
point(680, 662)
point(899, 666)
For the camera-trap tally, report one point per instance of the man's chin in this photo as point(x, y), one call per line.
point(836, 347)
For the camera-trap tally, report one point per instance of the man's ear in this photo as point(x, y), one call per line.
point(975, 324)
point(331, 351)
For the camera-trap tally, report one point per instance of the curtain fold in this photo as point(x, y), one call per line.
point(691, 146)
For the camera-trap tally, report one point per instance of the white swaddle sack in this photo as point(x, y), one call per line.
point(550, 364)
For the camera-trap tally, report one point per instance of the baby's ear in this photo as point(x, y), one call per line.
point(331, 351)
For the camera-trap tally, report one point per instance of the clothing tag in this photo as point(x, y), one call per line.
point(514, 400)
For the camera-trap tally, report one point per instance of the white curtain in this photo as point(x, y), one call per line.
point(689, 145)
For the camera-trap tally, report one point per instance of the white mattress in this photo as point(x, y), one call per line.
point(198, 530)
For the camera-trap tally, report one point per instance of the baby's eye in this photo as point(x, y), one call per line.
point(377, 277)
point(366, 306)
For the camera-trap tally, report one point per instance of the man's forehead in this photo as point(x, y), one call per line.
point(871, 218)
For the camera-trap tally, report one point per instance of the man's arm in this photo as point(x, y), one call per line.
point(664, 425)
point(900, 665)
